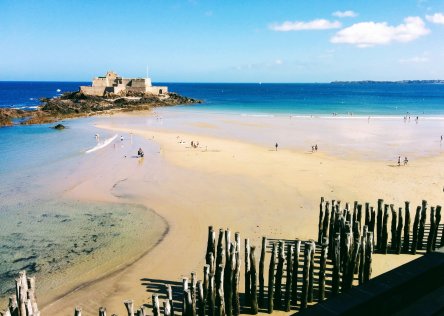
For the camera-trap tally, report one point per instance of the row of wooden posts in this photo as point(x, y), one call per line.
point(344, 241)
point(23, 302)
point(377, 222)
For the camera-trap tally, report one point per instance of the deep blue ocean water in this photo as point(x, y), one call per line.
point(304, 99)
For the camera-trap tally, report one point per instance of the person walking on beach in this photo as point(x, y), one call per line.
point(405, 161)
point(316, 147)
point(276, 146)
point(399, 160)
point(121, 138)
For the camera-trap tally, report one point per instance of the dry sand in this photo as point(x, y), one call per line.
point(243, 184)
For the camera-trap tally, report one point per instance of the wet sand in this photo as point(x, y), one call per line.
point(237, 179)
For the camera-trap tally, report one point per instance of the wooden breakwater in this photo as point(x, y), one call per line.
point(287, 275)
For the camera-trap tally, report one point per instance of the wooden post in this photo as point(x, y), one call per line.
point(156, 306)
point(337, 265)
point(368, 257)
point(200, 299)
point(220, 303)
point(129, 304)
point(185, 295)
point(422, 223)
point(228, 286)
point(326, 220)
point(166, 308)
point(247, 272)
point(192, 292)
point(322, 268)
point(211, 244)
point(367, 214)
point(385, 230)
point(321, 219)
point(379, 225)
point(346, 262)
point(406, 242)
point(261, 273)
point(415, 231)
point(253, 275)
point(311, 271)
point(13, 305)
point(289, 278)
point(279, 275)
point(430, 238)
point(399, 232)
point(77, 311)
point(271, 280)
point(306, 274)
point(362, 254)
point(372, 224)
point(236, 280)
point(211, 297)
point(353, 261)
point(102, 311)
point(394, 228)
point(294, 282)
point(437, 221)
point(206, 273)
point(170, 299)
point(331, 231)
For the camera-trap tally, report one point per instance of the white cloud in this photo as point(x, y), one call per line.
point(414, 60)
point(437, 18)
point(366, 34)
point(318, 24)
point(345, 14)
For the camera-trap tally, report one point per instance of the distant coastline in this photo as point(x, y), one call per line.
point(438, 81)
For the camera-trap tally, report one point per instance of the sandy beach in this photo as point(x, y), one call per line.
point(237, 179)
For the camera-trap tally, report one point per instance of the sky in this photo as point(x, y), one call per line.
point(222, 41)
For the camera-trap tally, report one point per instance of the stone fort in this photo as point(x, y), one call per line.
point(113, 83)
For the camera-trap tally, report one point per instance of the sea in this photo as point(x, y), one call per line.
point(32, 154)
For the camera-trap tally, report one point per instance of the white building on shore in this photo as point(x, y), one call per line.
point(113, 83)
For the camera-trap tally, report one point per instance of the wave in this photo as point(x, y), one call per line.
point(102, 144)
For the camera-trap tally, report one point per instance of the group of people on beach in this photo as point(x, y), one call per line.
point(405, 161)
point(314, 148)
point(194, 144)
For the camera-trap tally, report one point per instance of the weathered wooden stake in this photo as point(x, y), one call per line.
point(306, 274)
point(294, 282)
point(399, 232)
point(379, 225)
point(415, 231)
point(311, 271)
point(166, 308)
point(253, 275)
point(384, 247)
point(287, 304)
point(406, 242)
point(129, 304)
point(368, 257)
point(337, 265)
point(437, 222)
point(77, 311)
point(229, 277)
point(170, 299)
point(211, 297)
point(220, 304)
point(247, 272)
point(236, 280)
point(346, 262)
point(271, 280)
point(156, 306)
point(322, 268)
point(211, 244)
point(200, 299)
point(430, 237)
point(261, 273)
point(321, 219)
point(102, 311)
point(279, 275)
point(362, 255)
point(422, 223)
point(394, 228)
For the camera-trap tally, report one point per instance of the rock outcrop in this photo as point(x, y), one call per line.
point(77, 104)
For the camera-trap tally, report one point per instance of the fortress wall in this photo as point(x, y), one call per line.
point(98, 91)
point(156, 90)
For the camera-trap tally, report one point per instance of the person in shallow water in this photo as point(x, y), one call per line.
point(140, 153)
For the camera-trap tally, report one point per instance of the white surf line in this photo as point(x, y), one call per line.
point(101, 145)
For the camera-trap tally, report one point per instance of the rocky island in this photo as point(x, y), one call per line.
point(106, 95)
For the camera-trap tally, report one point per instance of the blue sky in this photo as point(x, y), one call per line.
point(222, 41)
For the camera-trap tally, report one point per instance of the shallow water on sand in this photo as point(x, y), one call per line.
point(62, 240)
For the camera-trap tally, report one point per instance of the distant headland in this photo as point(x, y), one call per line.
point(106, 95)
point(394, 82)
